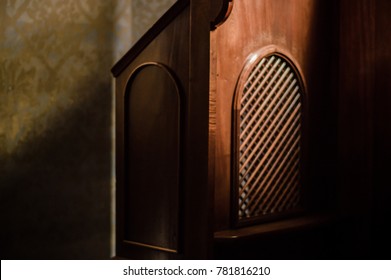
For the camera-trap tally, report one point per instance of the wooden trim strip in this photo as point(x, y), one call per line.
point(139, 244)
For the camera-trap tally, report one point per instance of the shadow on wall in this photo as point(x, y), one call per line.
point(55, 129)
point(56, 122)
point(55, 190)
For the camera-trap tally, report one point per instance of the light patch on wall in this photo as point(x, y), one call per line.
point(49, 48)
point(56, 122)
point(123, 28)
point(55, 126)
point(146, 13)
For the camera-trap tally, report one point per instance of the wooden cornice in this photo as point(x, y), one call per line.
point(220, 11)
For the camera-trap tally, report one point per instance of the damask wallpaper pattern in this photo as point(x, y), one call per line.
point(146, 13)
point(56, 125)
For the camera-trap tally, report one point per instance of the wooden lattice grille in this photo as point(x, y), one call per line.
point(269, 139)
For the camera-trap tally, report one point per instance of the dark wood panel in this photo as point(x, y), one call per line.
point(199, 194)
point(152, 159)
point(183, 46)
point(355, 116)
point(311, 237)
point(382, 131)
point(276, 227)
point(169, 47)
point(342, 49)
point(364, 134)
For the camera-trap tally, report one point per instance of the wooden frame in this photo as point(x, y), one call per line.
point(252, 60)
point(181, 116)
point(204, 44)
point(179, 41)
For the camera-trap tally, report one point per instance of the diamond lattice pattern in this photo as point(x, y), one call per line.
point(270, 130)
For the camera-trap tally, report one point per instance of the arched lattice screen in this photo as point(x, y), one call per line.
point(268, 139)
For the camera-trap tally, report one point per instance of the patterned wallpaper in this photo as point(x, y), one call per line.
point(145, 14)
point(56, 122)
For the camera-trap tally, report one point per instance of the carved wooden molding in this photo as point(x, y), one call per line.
point(220, 11)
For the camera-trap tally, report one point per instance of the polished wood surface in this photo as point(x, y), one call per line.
point(341, 50)
point(153, 168)
point(301, 29)
point(180, 43)
point(364, 133)
point(177, 48)
point(275, 227)
point(382, 130)
point(220, 11)
point(355, 109)
point(309, 237)
point(199, 194)
point(161, 50)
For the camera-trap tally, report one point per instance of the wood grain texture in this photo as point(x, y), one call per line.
point(170, 48)
point(355, 109)
point(152, 168)
point(180, 41)
point(199, 195)
point(342, 49)
point(382, 129)
point(220, 11)
point(363, 126)
point(252, 232)
point(300, 28)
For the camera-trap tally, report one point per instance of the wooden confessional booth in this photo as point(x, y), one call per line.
point(226, 133)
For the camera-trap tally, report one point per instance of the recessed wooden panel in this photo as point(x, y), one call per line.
point(152, 159)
